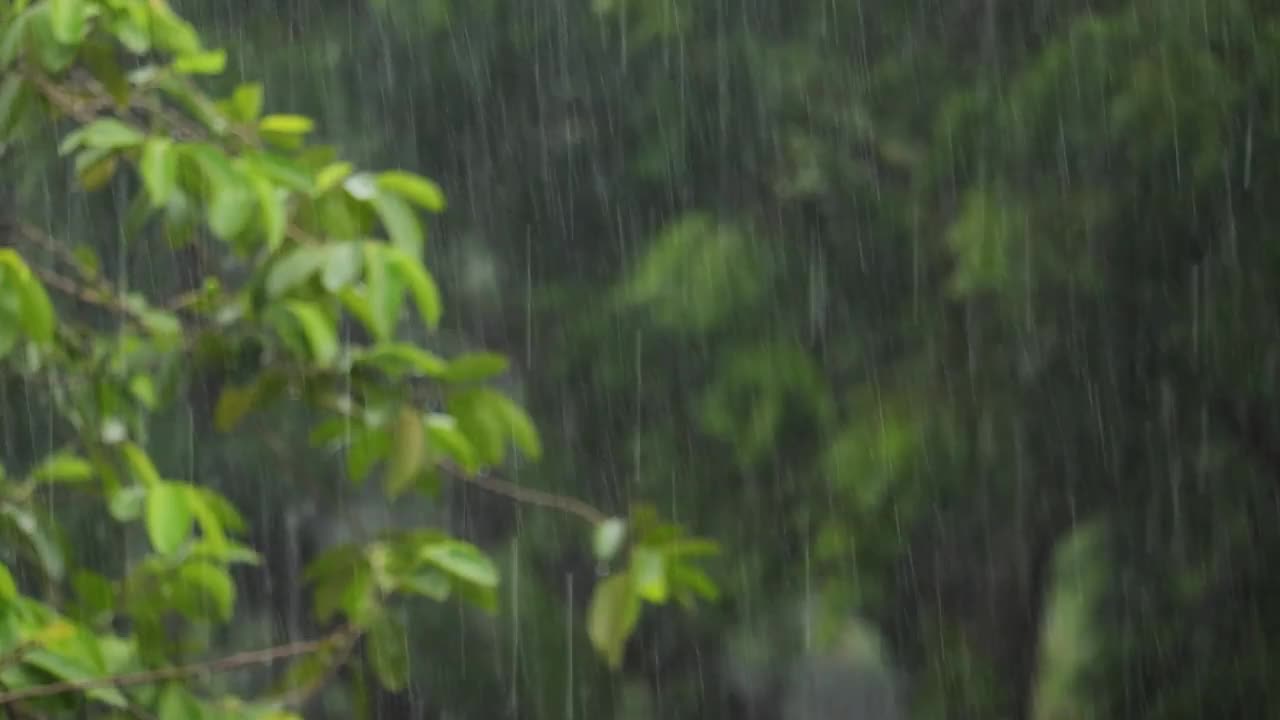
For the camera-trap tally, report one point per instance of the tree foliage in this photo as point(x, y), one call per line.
point(315, 270)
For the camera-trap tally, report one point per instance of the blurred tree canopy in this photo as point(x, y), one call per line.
point(955, 323)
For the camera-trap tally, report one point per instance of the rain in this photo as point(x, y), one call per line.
point(639, 359)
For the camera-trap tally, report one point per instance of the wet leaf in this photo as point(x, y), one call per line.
point(414, 188)
point(168, 517)
point(612, 616)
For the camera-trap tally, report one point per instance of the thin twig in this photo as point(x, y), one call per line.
point(530, 496)
point(223, 664)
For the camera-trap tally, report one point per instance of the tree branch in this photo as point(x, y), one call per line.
point(530, 496)
point(223, 664)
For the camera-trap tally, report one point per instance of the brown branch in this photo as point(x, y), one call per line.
point(530, 496)
point(223, 664)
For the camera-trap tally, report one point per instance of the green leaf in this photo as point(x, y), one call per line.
point(389, 653)
point(461, 560)
point(159, 168)
point(408, 452)
point(177, 703)
point(39, 535)
point(321, 337)
point(400, 359)
point(246, 101)
point(214, 584)
point(13, 102)
point(608, 538)
point(368, 446)
point(428, 583)
point(52, 54)
point(231, 207)
point(475, 367)
point(140, 464)
point(103, 134)
point(281, 171)
point(444, 434)
point(127, 503)
point(685, 577)
point(649, 574)
point(35, 310)
point(11, 41)
point(330, 175)
point(402, 226)
point(67, 18)
point(168, 517)
point(342, 265)
point(414, 188)
point(383, 292)
point(64, 468)
point(209, 62)
point(295, 268)
point(612, 616)
point(420, 283)
point(75, 668)
point(100, 58)
point(271, 200)
point(286, 124)
point(8, 589)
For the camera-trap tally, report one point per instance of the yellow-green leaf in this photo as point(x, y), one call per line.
point(414, 188)
point(649, 574)
point(461, 560)
point(140, 464)
point(286, 124)
point(611, 617)
point(209, 62)
point(64, 468)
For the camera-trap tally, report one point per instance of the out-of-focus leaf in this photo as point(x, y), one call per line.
point(177, 703)
point(39, 536)
point(443, 434)
point(102, 134)
point(246, 100)
point(8, 589)
point(420, 284)
point(388, 653)
point(295, 268)
point(126, 504)
point(213, 583)
point(407, 452)
point(321, 336)
point(400, 359)
point(67, 18)
point(159, 168)
point(462, 560)
point(475, 367)
point(414, 188)
point(168, 517)
point(649, 574)
point(286, 124)
point(342, 265)
point(611, 617)
point(63, 468)
point(140, 465)
point(208, 62)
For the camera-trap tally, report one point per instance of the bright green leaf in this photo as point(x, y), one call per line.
point(8, 589)
point(295, 268)
point(414, 188)
point(286, 124)
point(321, 337)
point(246, 100)
point(67, 18)
point(213, 582)
point(64, 468)
point(168, 517)
point(159, 168)
point(209, 62)
point(420, 284)
point(649, 574)
point(140, 464)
